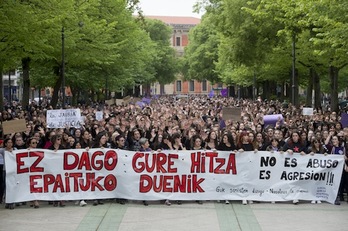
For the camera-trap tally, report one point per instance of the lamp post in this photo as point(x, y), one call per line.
point(9, 88)
point(63, 70)
point(293, 69)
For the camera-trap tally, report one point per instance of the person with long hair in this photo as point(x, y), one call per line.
point(339, 149)
point(211, 142)
point(226, 143)
point(244, 143)
point(8, 147)
point(294, 145)
point(32, 144)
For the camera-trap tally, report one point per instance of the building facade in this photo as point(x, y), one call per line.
point(181, 27)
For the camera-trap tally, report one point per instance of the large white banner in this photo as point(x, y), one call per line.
point(64, 118)
point(184, 175)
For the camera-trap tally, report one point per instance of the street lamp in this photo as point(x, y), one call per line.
point(293, 69)
point(63, 70)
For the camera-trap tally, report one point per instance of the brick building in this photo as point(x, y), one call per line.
point(179, 40)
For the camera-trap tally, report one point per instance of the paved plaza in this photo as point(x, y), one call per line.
point(190, 216)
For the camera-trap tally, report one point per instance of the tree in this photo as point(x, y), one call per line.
point(164, 63)
point(202, 52)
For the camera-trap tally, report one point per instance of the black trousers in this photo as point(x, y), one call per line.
point(2, 183)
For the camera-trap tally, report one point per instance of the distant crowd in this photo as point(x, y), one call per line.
point(193, 123)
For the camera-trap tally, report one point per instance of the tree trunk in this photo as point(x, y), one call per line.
point(310, 87)
point(295, 88)
point(26, 82)
point(317, 92)
point(56, 88)
point(333, 73)
point(162, 89)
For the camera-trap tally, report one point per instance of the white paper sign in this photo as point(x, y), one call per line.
point(307, 111)
point(175, 175)
point(63, 118)
point(99, 115)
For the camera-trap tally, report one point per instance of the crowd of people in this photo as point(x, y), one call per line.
point(193, 123)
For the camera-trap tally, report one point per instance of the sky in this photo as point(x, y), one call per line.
point(169, 7)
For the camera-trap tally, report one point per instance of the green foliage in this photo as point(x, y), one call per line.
point(103, 42)
point(202, 52)
point(164, 64)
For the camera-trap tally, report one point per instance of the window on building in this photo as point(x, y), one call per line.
point(178, 86)
point(204, 85)
point(192, 85)
point(178, 41)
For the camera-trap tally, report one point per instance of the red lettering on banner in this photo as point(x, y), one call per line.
point(97, 164)
point(95, 161)
point(84, 162)
point(58, 184)
point(34, 167)
point(48, 179)
point(176, 183)
point(160, 162)
point(55, 183)
point(21, 163)
point(216, 164)
point(70, 166)
point(196, 162)
point(212, 156)
point(110, 155)
point(75, 176)
point(231, 165)
point(33, 183)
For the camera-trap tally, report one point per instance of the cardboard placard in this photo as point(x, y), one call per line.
point(99, 115)
point(13, 126)
point(127, 99)
point(110, 101)
point(231, 113)
point(307, 111)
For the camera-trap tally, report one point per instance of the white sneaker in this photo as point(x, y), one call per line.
point(312, 202)
point(244, 202)
point(227, 202)
point(83, 203)
point(273, 202)
point(251, 202)
point(167, 202)
point(318, 202)
point(295, 202)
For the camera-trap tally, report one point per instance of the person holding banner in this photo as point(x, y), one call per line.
point(32, 144)
point(244, 143)
point(339, 149)
point(56, 145)
point(211, 142)
point(294, 145)
point(8, 147)
point(2, 161)
point(100, 142)
point(227, 143)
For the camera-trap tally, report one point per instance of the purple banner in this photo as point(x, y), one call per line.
point(272, 119)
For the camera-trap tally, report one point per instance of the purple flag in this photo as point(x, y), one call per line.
point(224, 92)
point(211, 94)
point(344, 120)
point(273, 119)
point(146, 100)
point(140, 104)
